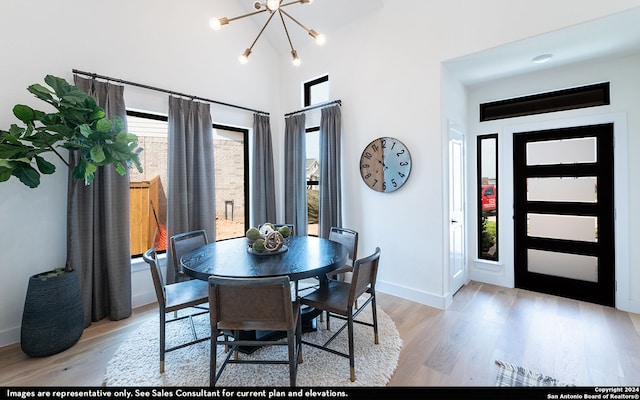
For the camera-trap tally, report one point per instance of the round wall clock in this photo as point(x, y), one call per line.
point(385, 164)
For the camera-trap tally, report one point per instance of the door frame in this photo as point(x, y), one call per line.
point(621, 198)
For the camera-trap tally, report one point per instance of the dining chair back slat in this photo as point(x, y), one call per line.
point(183, 243)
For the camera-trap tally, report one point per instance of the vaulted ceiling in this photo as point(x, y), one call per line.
point(605, 37)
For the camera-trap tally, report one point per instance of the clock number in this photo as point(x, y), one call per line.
point(367, 176)
point(384, 186)
point(401, 174)
point(364, 166)
point(375, 182)
point(374, 147)
point(394, 183)
point(368, 155)
point(404, 163)
point(400, 153)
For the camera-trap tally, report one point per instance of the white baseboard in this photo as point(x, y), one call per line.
point(425, 298)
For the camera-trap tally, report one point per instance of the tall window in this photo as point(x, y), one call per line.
point(312, 174)
point(315, 91)
point(488, 197)
point(148, 190)
point(232, 179)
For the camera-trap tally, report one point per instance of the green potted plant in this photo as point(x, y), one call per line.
point(53, 316)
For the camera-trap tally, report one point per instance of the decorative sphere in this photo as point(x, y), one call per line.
point(253, 234)
point(258, 246)
point(285, 231)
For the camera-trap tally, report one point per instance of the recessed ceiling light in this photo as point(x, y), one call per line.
point(542, 58)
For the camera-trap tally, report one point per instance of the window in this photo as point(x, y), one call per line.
point(316, 91)
point(313, 174)
point(148, 190)
point(488, 197)
point(231, 157)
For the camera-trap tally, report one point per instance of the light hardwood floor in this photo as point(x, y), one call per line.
point(578, 343)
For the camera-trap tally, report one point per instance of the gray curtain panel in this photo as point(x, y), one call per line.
point(263, 207)
point(295, 185)
point(330, 192)
point(191, 203)
point(98, 241)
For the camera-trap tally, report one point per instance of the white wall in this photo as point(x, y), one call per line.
point(625, 96)
point(386, 67)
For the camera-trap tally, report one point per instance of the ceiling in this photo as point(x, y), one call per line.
point(616, 34)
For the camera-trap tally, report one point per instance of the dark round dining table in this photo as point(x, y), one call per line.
point(305, 257)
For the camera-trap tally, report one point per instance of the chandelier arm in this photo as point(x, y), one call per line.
point(296, 21)
point(261, 30)
point(286, 31)
point(246, 15)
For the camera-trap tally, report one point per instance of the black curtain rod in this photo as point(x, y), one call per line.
point(140, 85)
point(328, 103)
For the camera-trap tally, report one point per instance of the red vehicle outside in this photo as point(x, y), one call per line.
point(489, 194)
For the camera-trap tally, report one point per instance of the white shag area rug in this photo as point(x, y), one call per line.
point(136, 362)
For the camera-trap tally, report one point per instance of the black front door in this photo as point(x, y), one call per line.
point(564, 212)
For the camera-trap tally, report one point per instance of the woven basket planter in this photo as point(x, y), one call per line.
point(53, 317)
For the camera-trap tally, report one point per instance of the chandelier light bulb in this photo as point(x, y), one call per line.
point(244, 58)
point(273, 5)
point(296, 60)
point(319, 38)
point(214, 23)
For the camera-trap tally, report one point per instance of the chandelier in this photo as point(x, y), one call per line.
point(272, 7)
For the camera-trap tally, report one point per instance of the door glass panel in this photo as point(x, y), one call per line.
point(582, 190)
point(563, 265)
point(566, 227)
point(563, 151)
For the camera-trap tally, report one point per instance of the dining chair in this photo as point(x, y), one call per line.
point(174, 297)
point(183, 243)
point(337, 299)
point(349, 239)
point(258, 304)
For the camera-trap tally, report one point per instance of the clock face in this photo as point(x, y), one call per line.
point(385, 164)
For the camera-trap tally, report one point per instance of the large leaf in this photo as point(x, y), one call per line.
point(85, 130)
point(27, 175)
point(60, 86)
point(24, 113)
point(11, 151)
point(45, 166)
point(5, 173)
point(104, 125)
point(97, 154)
point(41, 92)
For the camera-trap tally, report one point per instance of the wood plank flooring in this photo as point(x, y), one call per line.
point(575, 342)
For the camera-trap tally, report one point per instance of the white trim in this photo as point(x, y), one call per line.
point(429, 299)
